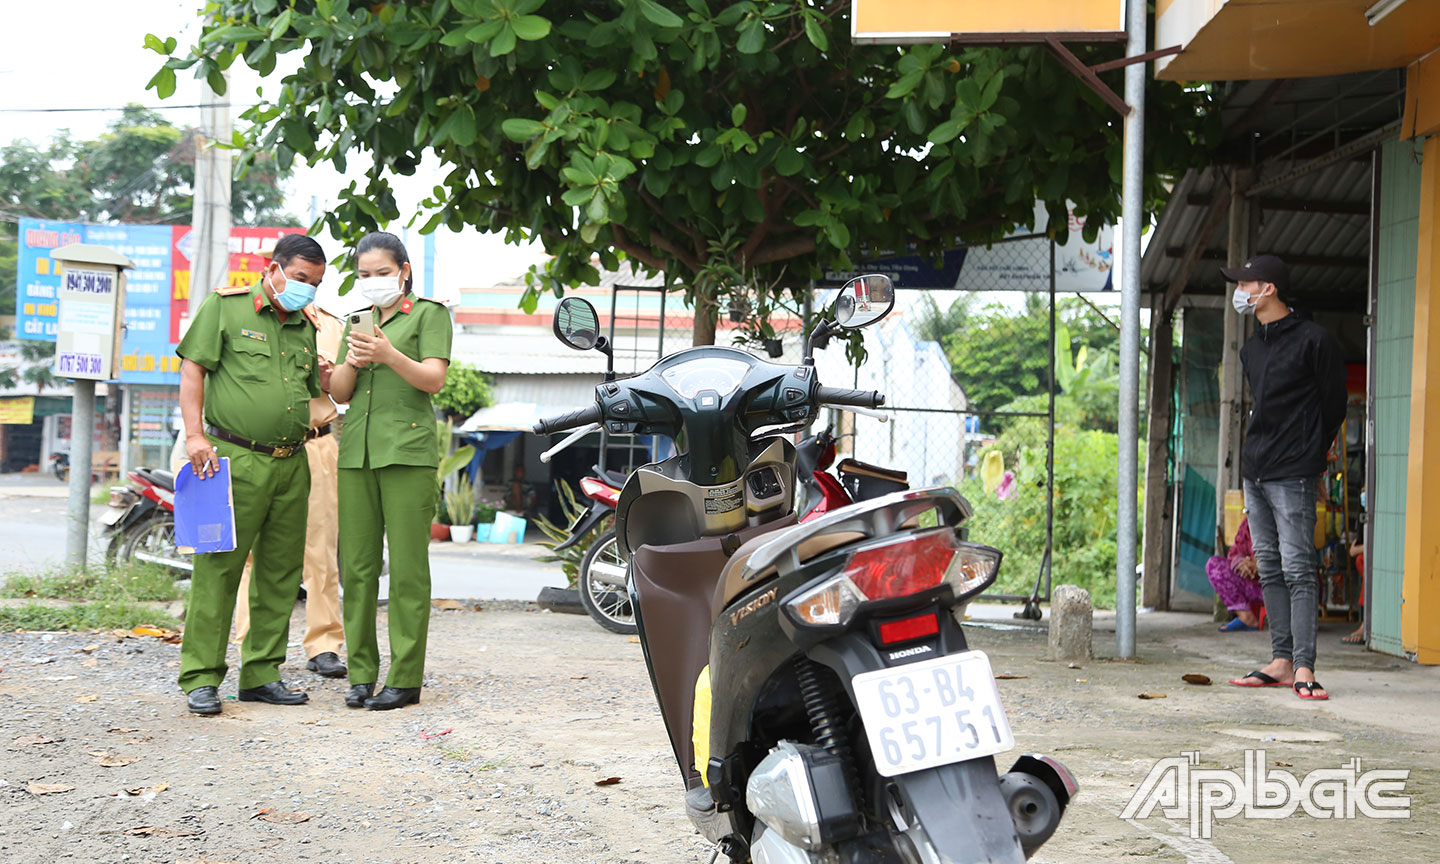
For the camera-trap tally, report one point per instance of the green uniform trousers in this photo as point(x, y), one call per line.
point(271, 505)
point(398, 500)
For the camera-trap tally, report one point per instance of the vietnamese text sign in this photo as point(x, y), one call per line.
point(86, 336)
point(18, 412)
point(894, 21)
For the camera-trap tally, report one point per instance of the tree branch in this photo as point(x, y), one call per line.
point(781, 251)
point(639, 253)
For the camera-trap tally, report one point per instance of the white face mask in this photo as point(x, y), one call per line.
point(1241, 301)
point(380, 290)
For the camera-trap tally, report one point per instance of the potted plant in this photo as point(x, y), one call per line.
point(449, 464)
point(484, 519)
point(460, 507)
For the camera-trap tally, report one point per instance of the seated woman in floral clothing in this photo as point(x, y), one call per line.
point(1236, 579)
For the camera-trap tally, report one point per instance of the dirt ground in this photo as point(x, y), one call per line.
point(524, 712)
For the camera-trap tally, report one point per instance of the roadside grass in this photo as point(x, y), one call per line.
point(98, 599)
point(471, 756)
point(99, 615)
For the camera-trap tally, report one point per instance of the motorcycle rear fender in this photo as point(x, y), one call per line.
point(588, 521)
point(138, 512)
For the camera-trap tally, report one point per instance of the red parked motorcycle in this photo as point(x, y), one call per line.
point(141, 522)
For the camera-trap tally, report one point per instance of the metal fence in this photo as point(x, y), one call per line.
point(968, 373)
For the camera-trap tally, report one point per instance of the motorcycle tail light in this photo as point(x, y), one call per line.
point(899, 567)
point(599, 491)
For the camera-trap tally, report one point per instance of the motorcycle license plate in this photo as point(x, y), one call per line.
point(113, 515)
point(932, 713)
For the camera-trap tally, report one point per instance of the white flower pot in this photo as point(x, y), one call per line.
point(461, 533)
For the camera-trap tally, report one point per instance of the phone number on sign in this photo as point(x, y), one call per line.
point(79, 364)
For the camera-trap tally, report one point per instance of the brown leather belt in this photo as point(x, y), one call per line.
point(283, 452)
point(318, 432)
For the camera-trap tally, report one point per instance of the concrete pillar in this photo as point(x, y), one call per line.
point(1071, 621)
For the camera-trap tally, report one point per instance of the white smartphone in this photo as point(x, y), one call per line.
point(363, 321)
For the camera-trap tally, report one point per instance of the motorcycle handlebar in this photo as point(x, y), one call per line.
point(578, 417)
point(841, 396)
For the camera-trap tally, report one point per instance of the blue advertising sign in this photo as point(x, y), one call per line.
point(148, 355)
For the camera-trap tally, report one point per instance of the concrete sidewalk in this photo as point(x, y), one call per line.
point(1090, 715)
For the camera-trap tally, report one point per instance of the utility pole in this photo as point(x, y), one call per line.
point(1133, 213)
point(210, 220)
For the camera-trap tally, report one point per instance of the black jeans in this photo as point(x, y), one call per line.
point(1282, 526)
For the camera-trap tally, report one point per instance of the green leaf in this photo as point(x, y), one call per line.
point(503, 43)
point(837, 234)
point(737, 114)
point(484, 31)
point(531, 28)
point(520, 129)
point(588, 232)
point(945, 132)
point(907, 83)
point(659, 15)
point(752, 36)
point(788, 162)
point(281, 24)
point(163, 82)
point(216, 79)
point(455, 38)
point(815, 33)
point(578, 197)
point(154, 44)
point(597, 79)
point(597, 211)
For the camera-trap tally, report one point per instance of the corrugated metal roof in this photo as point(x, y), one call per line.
point(1318, 221)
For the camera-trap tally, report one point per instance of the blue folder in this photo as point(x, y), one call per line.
point(204, 510)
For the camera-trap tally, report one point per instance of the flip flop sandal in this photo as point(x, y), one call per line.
point(1235, 626)
point(1256, 679)
point(1310, 687)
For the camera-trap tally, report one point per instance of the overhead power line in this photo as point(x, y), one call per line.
point(119, 108)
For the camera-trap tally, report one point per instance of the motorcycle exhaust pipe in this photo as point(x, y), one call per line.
point(1037, 790)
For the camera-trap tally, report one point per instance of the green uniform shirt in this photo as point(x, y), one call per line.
point(390, 422)
point(263, 373)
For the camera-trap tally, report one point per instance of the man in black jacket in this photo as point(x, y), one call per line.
point(1297, 383)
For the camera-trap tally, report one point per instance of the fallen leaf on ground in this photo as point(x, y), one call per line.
point(146, 630)
point(89, 649)
point(114, 760)
point(446, 603)
point(90, 663)
point(47, 788)
point(122, 634)
point(1082, 680)
point(1279, 764)
point(141, 790)
point(88, 697)
point(578, 677)
point(1196, 678)
point(28, 740)
point(426, 736)
point(124, 730)
point(283, 818)
point(478, 608)
point(172, 639)
point(608, 781)
point(1152, 695)
point(161, 831)
point(1009, 676)
point(635, 639)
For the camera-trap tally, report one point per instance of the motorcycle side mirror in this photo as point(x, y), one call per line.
point(863, 301)
point(577, 324)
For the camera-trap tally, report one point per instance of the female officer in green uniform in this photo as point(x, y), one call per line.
point(387, 463)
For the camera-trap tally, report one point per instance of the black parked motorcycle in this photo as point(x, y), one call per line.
point(818, 692)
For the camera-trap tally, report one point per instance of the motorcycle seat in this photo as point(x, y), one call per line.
point(163, 479)
point(857, 468)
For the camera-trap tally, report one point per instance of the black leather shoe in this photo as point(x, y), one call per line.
point(275, 693)
point(393, 697)
point(327, 664)
point(203, 700)
point(357, 694)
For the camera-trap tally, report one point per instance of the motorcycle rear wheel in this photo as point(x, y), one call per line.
point(606, 602)
point(153, 541)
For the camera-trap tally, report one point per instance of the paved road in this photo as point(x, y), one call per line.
point(32, 536)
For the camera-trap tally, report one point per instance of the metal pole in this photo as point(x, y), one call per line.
point(1132, 211)
point(1050, 439)
point(82, 429)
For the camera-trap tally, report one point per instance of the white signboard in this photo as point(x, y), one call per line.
point(88, 327)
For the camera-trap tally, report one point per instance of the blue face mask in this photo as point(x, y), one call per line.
point(296, 295)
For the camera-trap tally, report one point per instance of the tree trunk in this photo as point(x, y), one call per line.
point(706, 318)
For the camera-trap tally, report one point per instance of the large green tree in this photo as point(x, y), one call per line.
point(732, 145)
point(139, 171)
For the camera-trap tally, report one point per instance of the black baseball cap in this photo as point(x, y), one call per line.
point(1261, 268)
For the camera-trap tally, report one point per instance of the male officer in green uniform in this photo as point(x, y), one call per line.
point(250, 367)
